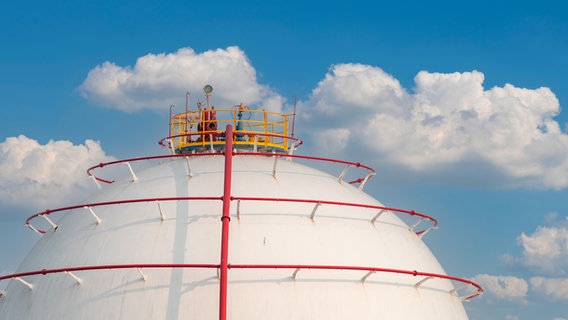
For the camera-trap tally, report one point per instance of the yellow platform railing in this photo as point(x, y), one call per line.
point(198, 130)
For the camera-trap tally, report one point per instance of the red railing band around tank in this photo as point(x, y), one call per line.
point(478, 289)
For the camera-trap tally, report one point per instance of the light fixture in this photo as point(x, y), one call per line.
point(208, 89)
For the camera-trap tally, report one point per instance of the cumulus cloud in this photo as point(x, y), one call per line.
point(38, 177)
point(448, 125)
point(158, 80)
point(545, 251)
point(556, 289)
point(447, 128)
point(545, 254)
point(503, 287)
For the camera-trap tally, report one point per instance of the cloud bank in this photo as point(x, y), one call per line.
point(556, 289)
point(447, 129)
point(35, 176)
point(158, 80)
point(503, 287)
point(545, 251)
point(448, 126)
point(545, 256)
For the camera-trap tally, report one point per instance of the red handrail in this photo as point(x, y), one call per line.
point(243, 198)
point(342, 203)
point(479, 289)
point(104, 164)
point(234, 153)
point(106, 203)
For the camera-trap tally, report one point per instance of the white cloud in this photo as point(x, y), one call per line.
point(546, 250)
point(556, 289)
point(35, 176)
point(158, 80)
point(448, 126)
point(503, 287)
point(334, 140)
point(351, 88)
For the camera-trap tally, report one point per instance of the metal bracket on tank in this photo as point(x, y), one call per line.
point(162, 215)
point(49, 221)
point(423, 233)
point(171, 143)
point(29, 225)
point(189, 173)
point(211, 143)
point(93, 213)
point(314, 210)
point(255, 145)
point(142, 274)
point(239, 209)
point(295, 273)
point(96, 182)
point(416, 224)
point(134, 177)
point(371, 174)
point(274, 165)
point(27, 284)
point(419, 283)
point(454, 290)
point(343, 173)
point(367, 275)
point(377, 215)
point(79, 280)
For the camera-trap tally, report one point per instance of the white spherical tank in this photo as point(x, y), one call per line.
point(295, 243)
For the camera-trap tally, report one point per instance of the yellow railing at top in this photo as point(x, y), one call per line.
point(198, 130)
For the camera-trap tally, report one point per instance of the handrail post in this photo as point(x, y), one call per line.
point(97, 219)
point(224, 265)
point(365, 180)
point(79, 280)
point(314, 210)
point(274, 165)
point(27, 284)
point(96, 182)
point(53, 225)
point(189, 173)
point(340, 178)
point(134, 177)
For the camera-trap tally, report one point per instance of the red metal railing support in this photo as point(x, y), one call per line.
point(224, 264)
point(297, 268)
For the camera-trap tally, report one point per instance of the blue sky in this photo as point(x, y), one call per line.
point(457, 105)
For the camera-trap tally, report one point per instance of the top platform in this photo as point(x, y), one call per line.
point(203, 129)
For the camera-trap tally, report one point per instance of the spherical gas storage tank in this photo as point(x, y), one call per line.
point(232, 232)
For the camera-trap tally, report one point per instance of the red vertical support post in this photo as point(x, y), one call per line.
point(225, 219)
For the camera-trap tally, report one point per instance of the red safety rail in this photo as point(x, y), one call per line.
point(371, 171)
point(316, 202)
point(297, 267)
point(104, 164)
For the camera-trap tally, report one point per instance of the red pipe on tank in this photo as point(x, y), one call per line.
point(224, 265)
point(186, 110)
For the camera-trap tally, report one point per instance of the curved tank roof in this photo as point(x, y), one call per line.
point(300, 244)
